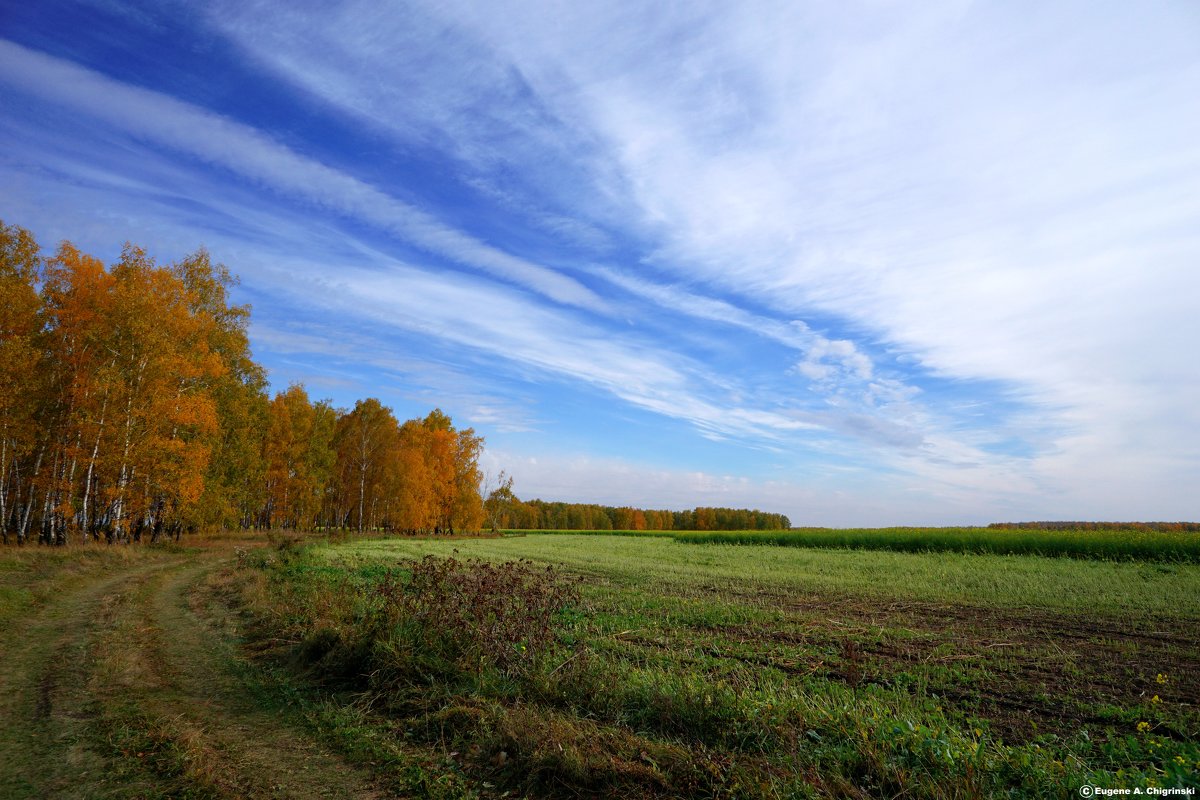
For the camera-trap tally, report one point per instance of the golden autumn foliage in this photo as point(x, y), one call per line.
point(419, 476)
point(119, 420)
point(131, 408)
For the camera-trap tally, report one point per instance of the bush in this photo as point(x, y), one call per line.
point(454, 618)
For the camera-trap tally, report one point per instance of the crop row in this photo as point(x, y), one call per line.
point(1128, 544)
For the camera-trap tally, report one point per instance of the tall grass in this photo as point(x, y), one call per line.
point(1128, 544)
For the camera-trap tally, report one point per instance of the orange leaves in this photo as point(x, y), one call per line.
point(130, 404)
point(127, 362)
point(19, 323)
point(298, 459)
point(419, 476)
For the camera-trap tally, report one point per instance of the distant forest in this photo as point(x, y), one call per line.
point(506, 511)
point(131, 409)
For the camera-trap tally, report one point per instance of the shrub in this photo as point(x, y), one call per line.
point(452, 618)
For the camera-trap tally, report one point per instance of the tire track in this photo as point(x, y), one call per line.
point(117, 688)
point(45, 745)
point(254, 752)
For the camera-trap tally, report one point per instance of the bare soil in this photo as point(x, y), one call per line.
point(1026, 671)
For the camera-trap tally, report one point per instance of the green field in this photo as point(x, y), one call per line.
point(729, 671)
point(585, 665)
point(1130, 544)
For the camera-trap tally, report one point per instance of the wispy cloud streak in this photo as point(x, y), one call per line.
point(251, 154)
point(943, 252)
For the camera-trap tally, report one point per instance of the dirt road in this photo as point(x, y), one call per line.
point(127, 683)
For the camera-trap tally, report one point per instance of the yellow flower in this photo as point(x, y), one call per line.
point(1155, 699)
point(1143, 727)
point(1160, 678)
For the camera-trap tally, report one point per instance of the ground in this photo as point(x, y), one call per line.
point(122, 679)
point(137, 672)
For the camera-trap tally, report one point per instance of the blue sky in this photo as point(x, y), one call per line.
point(863, 264)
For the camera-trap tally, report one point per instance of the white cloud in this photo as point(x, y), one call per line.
point(1004, 196)
point(828, 359)
point(453, 99)
point(433, 85)
point(165, 121)
point(831, 364)
point(988, 194)
point(837, 499)
point(517, 331)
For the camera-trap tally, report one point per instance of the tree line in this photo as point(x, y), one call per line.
point(131, 408)
point(504, 510)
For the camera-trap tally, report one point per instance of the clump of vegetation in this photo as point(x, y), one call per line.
point(1193, 527)
point(446, 617)
point(434, 621)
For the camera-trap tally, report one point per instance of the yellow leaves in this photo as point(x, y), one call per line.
point(419, 476)
point(128, 362)
point(297, 456)
point(149, 406)
point(196, 412)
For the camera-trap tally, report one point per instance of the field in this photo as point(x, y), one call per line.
point(613, 666)
point(1112, 543)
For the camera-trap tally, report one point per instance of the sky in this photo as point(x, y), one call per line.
point(862, 263)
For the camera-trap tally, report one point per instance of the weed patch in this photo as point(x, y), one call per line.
point(449, 618)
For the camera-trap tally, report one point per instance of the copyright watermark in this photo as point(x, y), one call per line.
point(1149, 791)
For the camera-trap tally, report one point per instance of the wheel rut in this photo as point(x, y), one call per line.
point(45, 746)
point(258, 752)
point(119, 686)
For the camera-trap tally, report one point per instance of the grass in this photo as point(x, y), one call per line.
point(592, 665)
point(30, 575)
point(775, 672)
point(122, 678)
point(767, 573)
